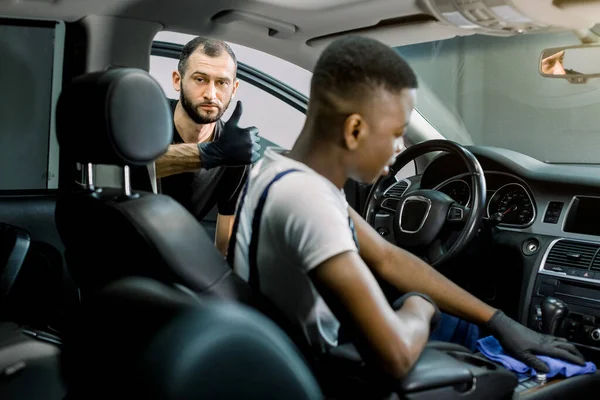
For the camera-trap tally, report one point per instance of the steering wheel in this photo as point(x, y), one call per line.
point(422, 220)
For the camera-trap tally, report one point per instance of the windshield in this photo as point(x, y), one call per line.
point(487, 90)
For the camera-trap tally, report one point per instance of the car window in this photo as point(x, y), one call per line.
point(279, 123)
point(284, 71)
point(30, 77)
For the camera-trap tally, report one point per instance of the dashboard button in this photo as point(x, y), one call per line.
point(590, 319)
point(555, 268)
point(553, 212)
point(588, 274)
point(532, 247)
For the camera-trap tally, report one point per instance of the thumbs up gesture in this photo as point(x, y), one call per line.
point(235, 146)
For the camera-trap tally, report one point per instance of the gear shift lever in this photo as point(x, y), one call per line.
point(554, 312)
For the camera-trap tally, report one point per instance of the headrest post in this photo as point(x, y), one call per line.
point(126, 182)
point(89, 176)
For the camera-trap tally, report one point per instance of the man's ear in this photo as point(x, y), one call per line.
point(236, 84)
point(355, 131)
point(176, 81)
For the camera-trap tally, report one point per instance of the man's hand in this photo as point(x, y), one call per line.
point(523, 343)
point(235, 146)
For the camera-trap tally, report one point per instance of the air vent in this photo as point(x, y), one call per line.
point(570, 254)
point(397, 189)
point(596, 264)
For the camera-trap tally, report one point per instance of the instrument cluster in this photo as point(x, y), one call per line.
point(507, 200)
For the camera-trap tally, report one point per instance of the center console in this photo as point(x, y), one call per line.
point(444, 371)
point(570, 273)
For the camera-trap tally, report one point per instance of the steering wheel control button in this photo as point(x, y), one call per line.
point(595, 335)
point(531, 246)
point(455, 214)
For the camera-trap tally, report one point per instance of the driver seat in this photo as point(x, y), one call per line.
point(121, 117)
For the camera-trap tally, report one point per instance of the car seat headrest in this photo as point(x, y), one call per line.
point(120, 117)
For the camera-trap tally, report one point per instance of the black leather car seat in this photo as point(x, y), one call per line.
point(139, 338)
point(121, 117)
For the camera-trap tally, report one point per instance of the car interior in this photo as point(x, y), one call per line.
point(110, 290)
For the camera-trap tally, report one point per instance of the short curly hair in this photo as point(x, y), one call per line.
point(354, 66)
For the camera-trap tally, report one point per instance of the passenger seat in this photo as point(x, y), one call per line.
point(141, 339)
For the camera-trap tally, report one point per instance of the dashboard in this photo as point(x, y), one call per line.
point(548, 238)
point(531, 196)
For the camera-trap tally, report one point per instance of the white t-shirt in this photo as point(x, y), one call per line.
point(305, 222)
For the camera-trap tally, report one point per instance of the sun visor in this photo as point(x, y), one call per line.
point(586, 10)
point(397, 33)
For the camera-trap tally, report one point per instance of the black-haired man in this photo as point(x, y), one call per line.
point(207, 164)
point(297, 241)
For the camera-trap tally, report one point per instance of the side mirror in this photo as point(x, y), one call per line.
point(575, 63)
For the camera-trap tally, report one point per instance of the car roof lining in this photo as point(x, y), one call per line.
point(317, 22)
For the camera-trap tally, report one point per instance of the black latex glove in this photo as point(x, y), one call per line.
point(437, 314)
point(235, 146)
point(523, 343)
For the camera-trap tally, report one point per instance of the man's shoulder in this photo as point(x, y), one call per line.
point(297, 177)
point(302, 190)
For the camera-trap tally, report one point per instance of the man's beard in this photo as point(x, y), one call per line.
point(196, 114)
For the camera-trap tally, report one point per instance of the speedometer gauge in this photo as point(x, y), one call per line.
point(514, 205)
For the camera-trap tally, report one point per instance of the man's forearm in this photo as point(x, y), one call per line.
point(179, 158)
point(408, 273)
point(223, 232)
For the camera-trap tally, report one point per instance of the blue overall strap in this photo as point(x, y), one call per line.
point(236, 223)
point(354, 235)
point(253, 279)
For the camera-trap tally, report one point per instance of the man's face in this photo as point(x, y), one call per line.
point(554, 64)
point(207, 87)
point(386, 119)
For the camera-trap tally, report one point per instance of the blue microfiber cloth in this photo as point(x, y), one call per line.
point(491, 348)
